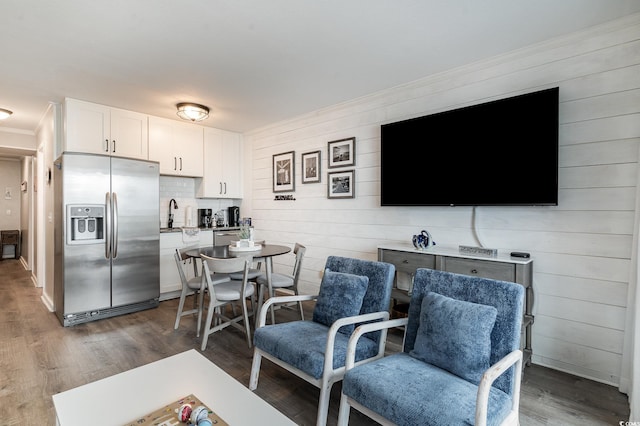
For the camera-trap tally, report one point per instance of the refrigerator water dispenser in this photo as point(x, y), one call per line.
point(85, 224)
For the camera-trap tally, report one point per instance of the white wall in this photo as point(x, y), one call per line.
point(581, 248)
point(17, 142)
point(48, 135)
point(26, 210)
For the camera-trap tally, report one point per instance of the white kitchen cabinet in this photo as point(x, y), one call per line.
point(206, 238)
point(222, 165)
point(178, 147)
point(99, 129)
point(169, 278)
point(170, 285)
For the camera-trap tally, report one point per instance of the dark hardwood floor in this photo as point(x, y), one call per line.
point(39, 358)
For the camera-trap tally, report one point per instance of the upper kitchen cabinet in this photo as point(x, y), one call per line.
point(222, 165)
point(178, 147)
point(99, 129)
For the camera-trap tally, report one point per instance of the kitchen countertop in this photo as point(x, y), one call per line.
point(219, 228)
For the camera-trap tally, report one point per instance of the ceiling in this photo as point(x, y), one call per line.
point(256, 62)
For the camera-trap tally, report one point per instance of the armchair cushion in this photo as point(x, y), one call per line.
point(302, 344)
point(455, 335)
point(340, 296)
point(408, 391)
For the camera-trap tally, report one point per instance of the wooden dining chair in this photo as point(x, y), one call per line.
point(283, 281)
point(221, 295)
point(254, 271)
point(192, 285)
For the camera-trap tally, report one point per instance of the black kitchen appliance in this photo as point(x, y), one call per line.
point(205, 218)
point(234, 216)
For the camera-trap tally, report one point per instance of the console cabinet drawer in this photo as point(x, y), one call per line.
point(408, 262)
point(480, 268)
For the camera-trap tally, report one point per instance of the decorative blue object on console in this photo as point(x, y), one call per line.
point(423, 240)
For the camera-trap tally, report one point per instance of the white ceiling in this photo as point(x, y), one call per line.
point(256, 62)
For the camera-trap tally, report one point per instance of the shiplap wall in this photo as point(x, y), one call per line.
point(581, 248)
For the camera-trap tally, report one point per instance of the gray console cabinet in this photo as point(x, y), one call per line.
point(506, 268)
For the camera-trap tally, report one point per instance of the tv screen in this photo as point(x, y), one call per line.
point(498, 153)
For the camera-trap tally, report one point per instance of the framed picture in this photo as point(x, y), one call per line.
point(283, 169)
point(342, 153)
point(342, 184)
point(311, 167)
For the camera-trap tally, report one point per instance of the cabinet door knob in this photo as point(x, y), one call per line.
point(474, 271)
point(114, 146)
point(106, 145)
point(405, 261)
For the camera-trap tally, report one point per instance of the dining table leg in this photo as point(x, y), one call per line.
point(270, 289)
point(203, 284)
point(269, 268)
point(195, 266)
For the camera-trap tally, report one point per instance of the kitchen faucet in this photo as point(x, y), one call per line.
point(175, 205)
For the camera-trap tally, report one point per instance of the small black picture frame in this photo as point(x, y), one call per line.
point(283, 172)
point(341, 184)
point(342, 153)
point(311, 167)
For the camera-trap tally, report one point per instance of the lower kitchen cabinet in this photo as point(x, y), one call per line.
point(407, 259)
point(170, 285)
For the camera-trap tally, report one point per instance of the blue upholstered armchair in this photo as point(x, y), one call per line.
point(352, 291)
point(460, 365)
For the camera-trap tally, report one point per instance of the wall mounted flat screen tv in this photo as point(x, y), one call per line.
point(498, 153)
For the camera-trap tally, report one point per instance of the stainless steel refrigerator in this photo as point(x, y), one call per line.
point(107, 240)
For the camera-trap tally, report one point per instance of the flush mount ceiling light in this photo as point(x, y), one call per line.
point(5, 113)
point(192, 112)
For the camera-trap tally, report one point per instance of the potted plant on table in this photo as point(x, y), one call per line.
point(244, 234)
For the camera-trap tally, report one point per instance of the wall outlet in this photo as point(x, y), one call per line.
point(8, 212)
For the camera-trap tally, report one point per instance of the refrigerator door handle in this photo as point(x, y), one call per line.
point(107, 243)
point(115, 225)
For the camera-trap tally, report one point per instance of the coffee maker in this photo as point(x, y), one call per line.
point(234, 216)
point(205, 218)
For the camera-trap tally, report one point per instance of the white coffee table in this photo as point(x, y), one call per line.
point(121, 398)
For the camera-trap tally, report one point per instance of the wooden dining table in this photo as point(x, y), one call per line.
point(266, 252)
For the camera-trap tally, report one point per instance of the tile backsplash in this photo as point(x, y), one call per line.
point(183, 190)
